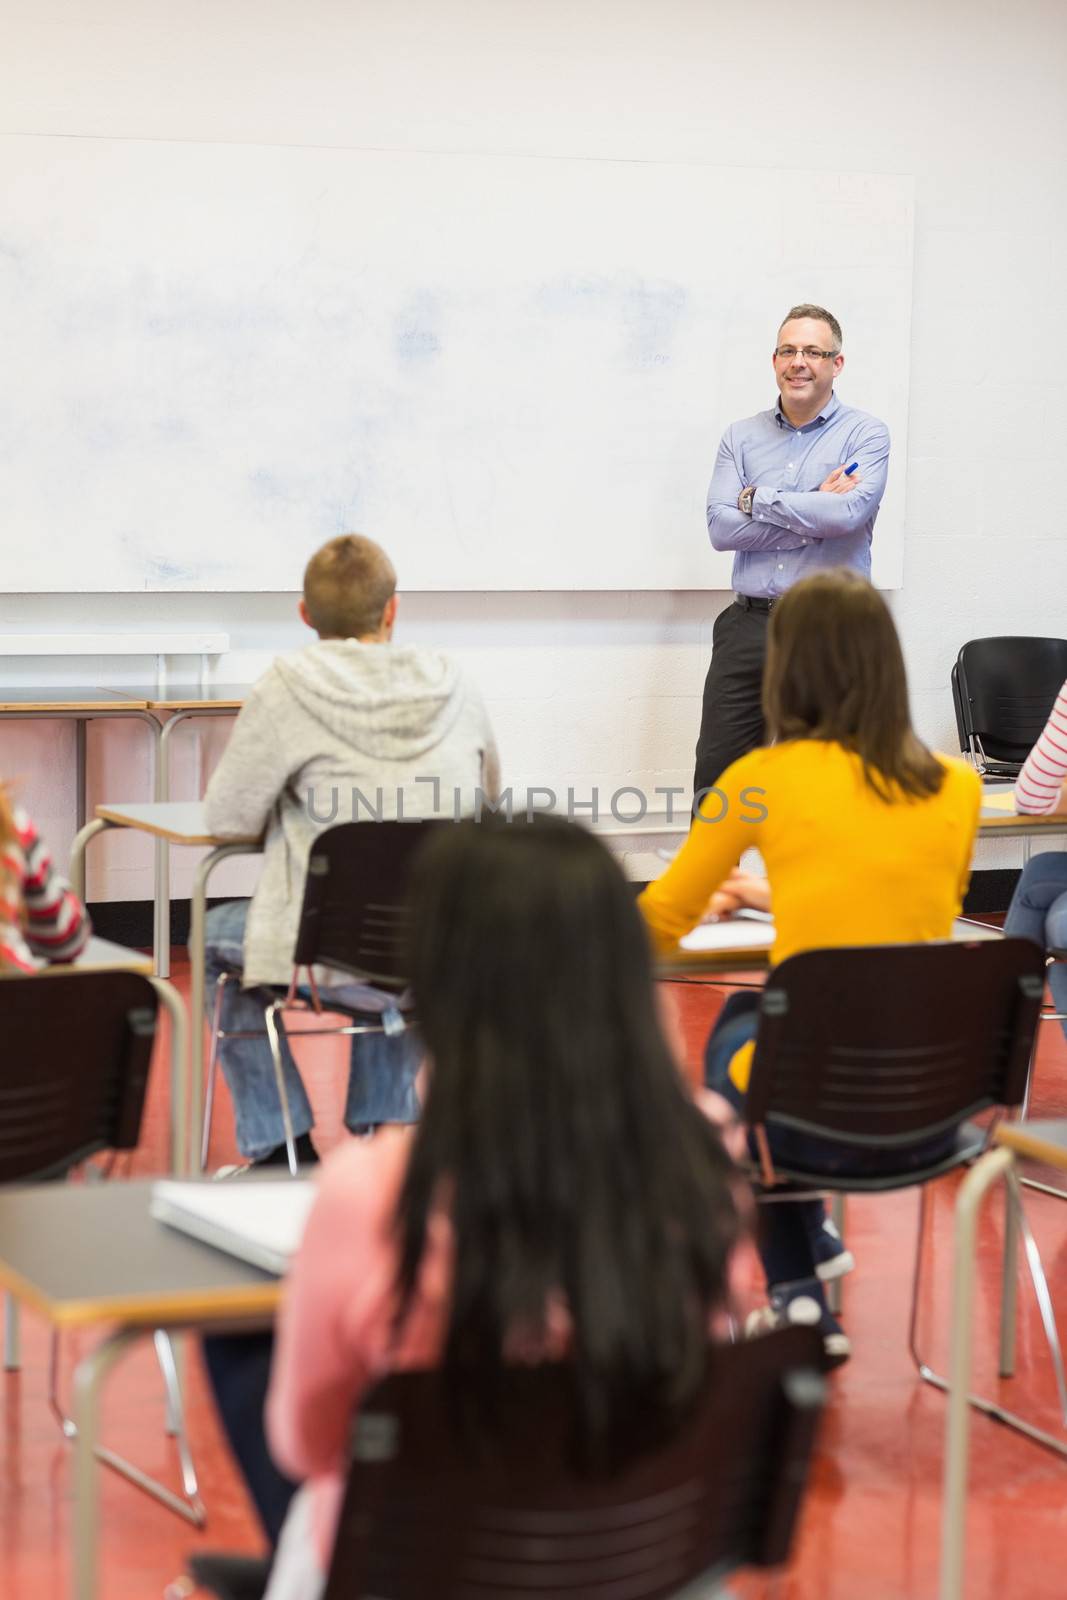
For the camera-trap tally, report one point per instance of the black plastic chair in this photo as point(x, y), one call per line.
point(426, 1513)
point(75, 1054)
point(354, 919)
point(884, 1047)
point(1003, 689)
point(76, 1050)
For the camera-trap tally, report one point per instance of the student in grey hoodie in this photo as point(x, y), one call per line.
point(351, 712)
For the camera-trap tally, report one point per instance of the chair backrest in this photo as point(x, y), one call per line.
point(888, 1044)
point(355, 915)
point(75, 1050)
point(1004, 689)
point(426, 1513)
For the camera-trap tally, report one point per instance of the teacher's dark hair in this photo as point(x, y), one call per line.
point(815, 314)
point(835, 671)
point(557, 1135)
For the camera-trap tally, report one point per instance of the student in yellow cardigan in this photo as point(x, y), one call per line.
point(867, 839)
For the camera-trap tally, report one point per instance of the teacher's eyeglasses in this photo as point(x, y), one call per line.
point(786, 352)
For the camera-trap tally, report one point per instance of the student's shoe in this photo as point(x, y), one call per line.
point(832, 1256)
point(800, 1304)
point(306, 1156)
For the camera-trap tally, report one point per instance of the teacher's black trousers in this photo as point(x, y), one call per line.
point(731, 723)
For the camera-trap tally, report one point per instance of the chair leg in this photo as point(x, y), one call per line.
point(176, 1413)
point(921, 1368)
point(1041, 1290)
point(66, 1423)
point(191, 1508)
point(1009, 1283)
point(834, 1292)
point(279, 1077)
point(212, 1067)
point(12, 1353)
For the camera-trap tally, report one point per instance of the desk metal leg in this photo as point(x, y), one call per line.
point(77, 854)
point(179, 1077)
point(12, 1353)
point(197, 916)
point(988, 1171)
point(79, 773)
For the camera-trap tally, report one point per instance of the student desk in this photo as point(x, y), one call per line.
point(174, 822)
point(88, 1257)
point(1044, 1141)
point(80, 705)
point(162, 710)
point(176, 706)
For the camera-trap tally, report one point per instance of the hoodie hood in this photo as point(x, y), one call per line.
point(392, 702)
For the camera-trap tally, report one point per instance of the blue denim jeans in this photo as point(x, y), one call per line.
point(381, 1080)
point(1038, 911)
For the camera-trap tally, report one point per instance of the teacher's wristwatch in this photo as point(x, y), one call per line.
point(744, 500)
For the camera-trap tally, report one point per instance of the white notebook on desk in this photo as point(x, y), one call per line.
point(747, 930)
point(261, 1222)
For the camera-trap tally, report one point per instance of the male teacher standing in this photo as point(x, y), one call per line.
point(794, 489)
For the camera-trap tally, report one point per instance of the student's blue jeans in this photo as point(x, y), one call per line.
point(786, 1227)
point(1038, 911)
point(381, 1080)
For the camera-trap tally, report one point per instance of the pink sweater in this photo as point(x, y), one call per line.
point(335, 1329)
point(1040, 783)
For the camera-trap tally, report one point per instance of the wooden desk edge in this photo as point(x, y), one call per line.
point(173, 836)
point(1032, 1146)
point(102, 708)
point(145, 1310)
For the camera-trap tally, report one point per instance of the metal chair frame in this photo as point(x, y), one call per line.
point(353, 920)
point(1016, 1048)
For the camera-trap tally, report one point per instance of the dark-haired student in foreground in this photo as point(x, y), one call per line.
point(489, 1234)
point(867, 838)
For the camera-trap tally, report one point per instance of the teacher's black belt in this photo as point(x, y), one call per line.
point(747, 603)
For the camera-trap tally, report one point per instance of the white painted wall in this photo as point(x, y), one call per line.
point(605, 688)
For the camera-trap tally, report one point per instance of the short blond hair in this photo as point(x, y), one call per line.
point(347, 586)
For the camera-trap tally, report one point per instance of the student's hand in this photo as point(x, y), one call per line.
point(837, 483)
point(740, 891)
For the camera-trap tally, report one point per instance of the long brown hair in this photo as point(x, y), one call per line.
point(835, 671)
point(575, 1161)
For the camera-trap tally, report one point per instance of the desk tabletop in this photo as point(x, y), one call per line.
point(179, 821)
point(741, 958)
point(100, 955)
point(999, 817)
point(83, 1254)
point(70, 698)
point(193, 697)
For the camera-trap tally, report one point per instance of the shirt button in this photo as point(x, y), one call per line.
point(781, 566)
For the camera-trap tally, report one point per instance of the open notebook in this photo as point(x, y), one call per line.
point(261, 1222)
point(746, 930)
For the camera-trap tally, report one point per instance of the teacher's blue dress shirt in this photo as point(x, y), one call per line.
point(794, 530)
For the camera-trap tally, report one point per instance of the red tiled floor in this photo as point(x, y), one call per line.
point(871, 1523)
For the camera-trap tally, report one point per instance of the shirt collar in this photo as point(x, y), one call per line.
point(832, 405)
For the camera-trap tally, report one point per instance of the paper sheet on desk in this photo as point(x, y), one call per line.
point(751, 930)
point(259, 1220)
point(1002, 801)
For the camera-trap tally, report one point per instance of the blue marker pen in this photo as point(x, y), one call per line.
point(851, 469)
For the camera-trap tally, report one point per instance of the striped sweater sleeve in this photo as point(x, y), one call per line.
point(1040, 783)
point(56, 926)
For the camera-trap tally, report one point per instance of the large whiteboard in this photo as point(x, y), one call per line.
point(512, 372)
